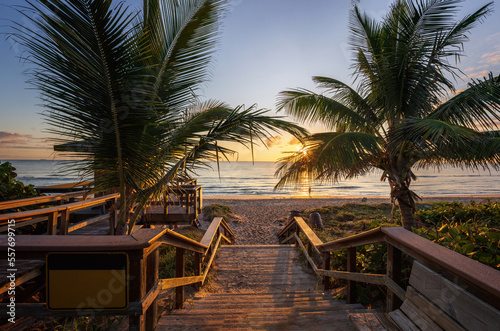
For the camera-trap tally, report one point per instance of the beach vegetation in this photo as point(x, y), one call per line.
point(120, 90)
point(472, 230)
point(12, 188)
point(405, 112)
point(216, 210)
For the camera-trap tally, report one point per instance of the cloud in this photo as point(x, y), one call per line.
point(491, 58)
point(478, 74)
point(7, 134)
point(274, 141)
point(294, 141)
point(20, 140)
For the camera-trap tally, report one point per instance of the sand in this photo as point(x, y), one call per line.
point(260, 217)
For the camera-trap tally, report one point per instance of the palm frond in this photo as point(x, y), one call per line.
point(183, 35)
point(330, 156)
point(439, 142)
point(307, 106)
point(476, 107)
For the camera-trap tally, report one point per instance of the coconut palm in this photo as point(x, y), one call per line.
point(399, 117)
point(120, 87)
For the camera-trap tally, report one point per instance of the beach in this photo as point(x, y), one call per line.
point(260, 217)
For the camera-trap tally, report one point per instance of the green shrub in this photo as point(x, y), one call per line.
point(216, 210)
point(10, 187)
point(167, 254)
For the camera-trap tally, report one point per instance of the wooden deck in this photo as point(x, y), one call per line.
point(262, 288)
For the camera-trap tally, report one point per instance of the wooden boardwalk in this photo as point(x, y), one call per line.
point(262, 288)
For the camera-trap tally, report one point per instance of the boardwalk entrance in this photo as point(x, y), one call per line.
point(262, 288)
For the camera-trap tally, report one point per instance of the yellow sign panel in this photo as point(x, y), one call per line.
point(87, 281)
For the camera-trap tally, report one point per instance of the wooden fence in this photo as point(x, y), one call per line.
point(479, 279)
point(142, 248)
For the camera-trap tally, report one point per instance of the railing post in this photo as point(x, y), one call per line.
point(63, 229)
point(52, 223)
point(351, 267)
point(197, 268)
point(327, 283)
point(393, 272)
point(180, 268)
point(137, 288)
point(153, 261)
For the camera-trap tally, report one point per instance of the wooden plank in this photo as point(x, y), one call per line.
point(286, 227)
point(366, 322)
point(21, 223)
point(327, 283)
point(304, 250)
point(52, 223)
point(436, 314)
point(227, 228)
point(468, 310)
point(394, 288)
point(66, 186)
point(211, 232)
point(40, 310)
point(90, 221)
point(39, 200)
point(351, 267)
point(182, 281)
point(287, 239)
point(420, 319)
point(354, 276)
point(31, 270)
point(475, 274)
point(46, 211)
point(63, 229)
point(151, 296)
point(309, 233)
point(365, 238)
point(403, 321)
point(394, 273)
point(39, 245)
point(148, 236)
point(137, 287)
point(209, 264)
point(180, 270)
point(150, 302)
point(176, 241)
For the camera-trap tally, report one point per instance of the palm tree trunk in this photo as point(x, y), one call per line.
point(401, 194)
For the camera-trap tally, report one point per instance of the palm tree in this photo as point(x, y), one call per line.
point(399, 117)
point(122, 86)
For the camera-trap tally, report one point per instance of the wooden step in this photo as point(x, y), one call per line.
point(267, 287)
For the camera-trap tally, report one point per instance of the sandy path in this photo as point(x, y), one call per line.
point(261, 218)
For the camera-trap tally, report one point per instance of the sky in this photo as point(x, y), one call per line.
point(267, 46)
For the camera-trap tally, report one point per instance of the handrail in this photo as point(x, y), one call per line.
point(45, 211)
point(42, 199)
point(480, 279)
point(205, 249)
point(143, 286)
point(52, 213)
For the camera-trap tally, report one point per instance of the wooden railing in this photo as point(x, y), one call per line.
point(142, 248)
point(479, 279)
point(143, 278)
point(49, 199)
point(52, 214)
point(204, 254)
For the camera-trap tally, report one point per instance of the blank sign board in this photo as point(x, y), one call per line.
point(87, 281)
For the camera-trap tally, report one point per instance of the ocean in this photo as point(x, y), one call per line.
point(247, 178)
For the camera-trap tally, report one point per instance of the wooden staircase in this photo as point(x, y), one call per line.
point(264, 288)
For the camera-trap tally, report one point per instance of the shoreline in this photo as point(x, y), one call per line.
point(349, 197)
